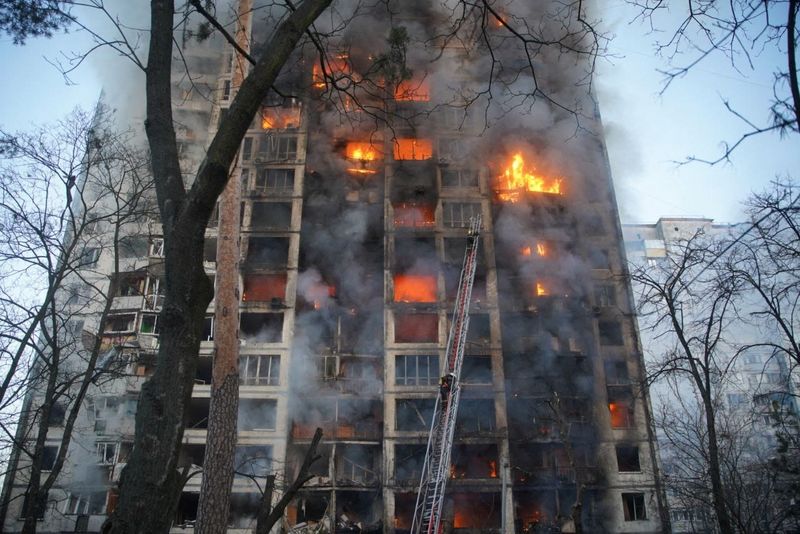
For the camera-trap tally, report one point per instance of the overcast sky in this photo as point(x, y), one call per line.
point(647, 133)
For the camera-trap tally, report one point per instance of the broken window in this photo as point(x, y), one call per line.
point(415, 288)
point(598, 259)
point(628, 458)
point(253, 460)
point(477, 369)
point(605, 295)
point(473, 461)
point(106, 452)
point(480, 511)
point(278, 148)
point(414, 414)
point(416, 328)
point(479, 331)
point(271, 215)
point(261, 327)
point(274, 117)
point(414, 215)
point(89, 257)
point(459, 178)
point(620, 408)
point(132, 246)
point(357, 465)
point(475, 416)
point(210, 250)
point(610, 332)
point(459, 214)
point(267, 252)
point(257, 414)
point(264, 287)
point(409, 148)
point(274, 181)
point(149, 324)
point(120, 323)
point(186, 513)
point(408, 460)
point(633, 506)
point(262, 370)
point(404, 511)
point(416, 370)
point(197, 417)
point(192, 454)
point(49, 453)
point(128, 285)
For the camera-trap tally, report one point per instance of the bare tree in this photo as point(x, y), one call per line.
point(740, 31)
point(68, 193)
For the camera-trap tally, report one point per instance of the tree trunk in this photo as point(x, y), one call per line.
point(714, 471)
point(266, 507)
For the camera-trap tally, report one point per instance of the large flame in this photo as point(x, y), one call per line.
point(541, 290)
point(414, 288)
point(364, 154)
point(516, 179)
point(413, 149)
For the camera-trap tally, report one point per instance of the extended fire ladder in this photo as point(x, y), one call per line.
point(436, 469)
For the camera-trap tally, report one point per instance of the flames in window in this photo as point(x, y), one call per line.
point(517, 179)
point(409, 148)
point(412, 215)
point(413, 91)
point(336, 68)
point(280, 117)
point(363, 155)
point(414, 288)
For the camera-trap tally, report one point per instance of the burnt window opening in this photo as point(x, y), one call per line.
point(192, 454)
point(459, 214)
point(186, 513)
point(49, 453)
point(274, 181)
point(633, 506)
point(243, 510)
point(452, 277)
point(474, 461)
point(128, 285)
point(414, 415)
point(253, 460)
point(605, 295)
point(208, 329)
point(319, 469)
point(616, 373)
point(477, 369)
point(261, 370)
point(357, 465)
point(57, 414)
point(476, 511)
point(610, 332)
point(416, 254)
point(267, 252)
point(620, 409)
point(257, 414)
point(120, 323)
point(210, 250)
point(271, 215)
point(599, 259)
point(278, 148)
point(414, 215)
point(459, 178)
point(408, 461)
point(310, 508)
point(414, 182)
point(197, 416)
point(628, 459)
point(416, 370)
point(475, 416)
point(479, 331)
point(409, 148)
point(416, 328)
point(404, 511)
point(261, 327)
point(264, 287)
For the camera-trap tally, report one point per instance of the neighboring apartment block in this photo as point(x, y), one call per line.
point(353, 232)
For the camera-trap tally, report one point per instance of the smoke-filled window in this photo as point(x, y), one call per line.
point(477, 369)
point(408, 460)
point(261, 327)
point(605, 295)
point(628, 458)
point(452, 149)
point(267, 252)
point(253, 460)
point(475, 416)
point(257, 414)
point(459, 178)
point(120, 323)
point(459, 214)
point(416, 370)
point(243, 510)
point(414, 414)
point(633, 506)
point(278, 148)
point(610, 332)
point(261, 370)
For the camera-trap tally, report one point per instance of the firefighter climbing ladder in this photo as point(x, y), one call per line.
point(436, 468)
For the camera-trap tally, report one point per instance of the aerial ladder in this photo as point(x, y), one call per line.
point(436, 468)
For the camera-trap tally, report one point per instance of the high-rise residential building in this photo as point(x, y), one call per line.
point(358, 182)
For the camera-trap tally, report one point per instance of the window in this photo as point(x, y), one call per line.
point(616, 373)
point(49, 454)
point(271, 215)
point(261, 327)
point(278, 148)
point(621, 412)
point(605, 296)
point(247, 149)
point(475, 416)
point(458, 214)
point(610, 332)
point(274, 180)
point(477, 370)
point(226, 89)
point(89, 257)
point(86, 504)
point(453, 149)
point(208, 329)
point(414, 414)
point(157, 247)
point(106, 452)
point(628, 459)
point(459, 178)
point(416, 370)
point(257, 414)
point(633, 506)
point(120, 323)
point(416, 328)
point(330, 367)
point(150, 324)
point(253, 461)
point(57, 413)
point(260, 370)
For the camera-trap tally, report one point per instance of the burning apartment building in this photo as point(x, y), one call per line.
point(359, 178)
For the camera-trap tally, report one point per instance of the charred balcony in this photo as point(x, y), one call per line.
point(550, 510)
point(414, 181)
point(341, 419)
point(264, 253)
point(356, 375)
point(552, 464)
point(541, 418)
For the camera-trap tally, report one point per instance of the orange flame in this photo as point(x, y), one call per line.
point(364, 153)
point(541, 290)
point(541, 249)
point(492, 469)
point(410, 215)
point(413, 91)
point(414, 288)
point(526, 251)
point(516, 179)
point(272, 118)
point(336, 68)
point(413, 149)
